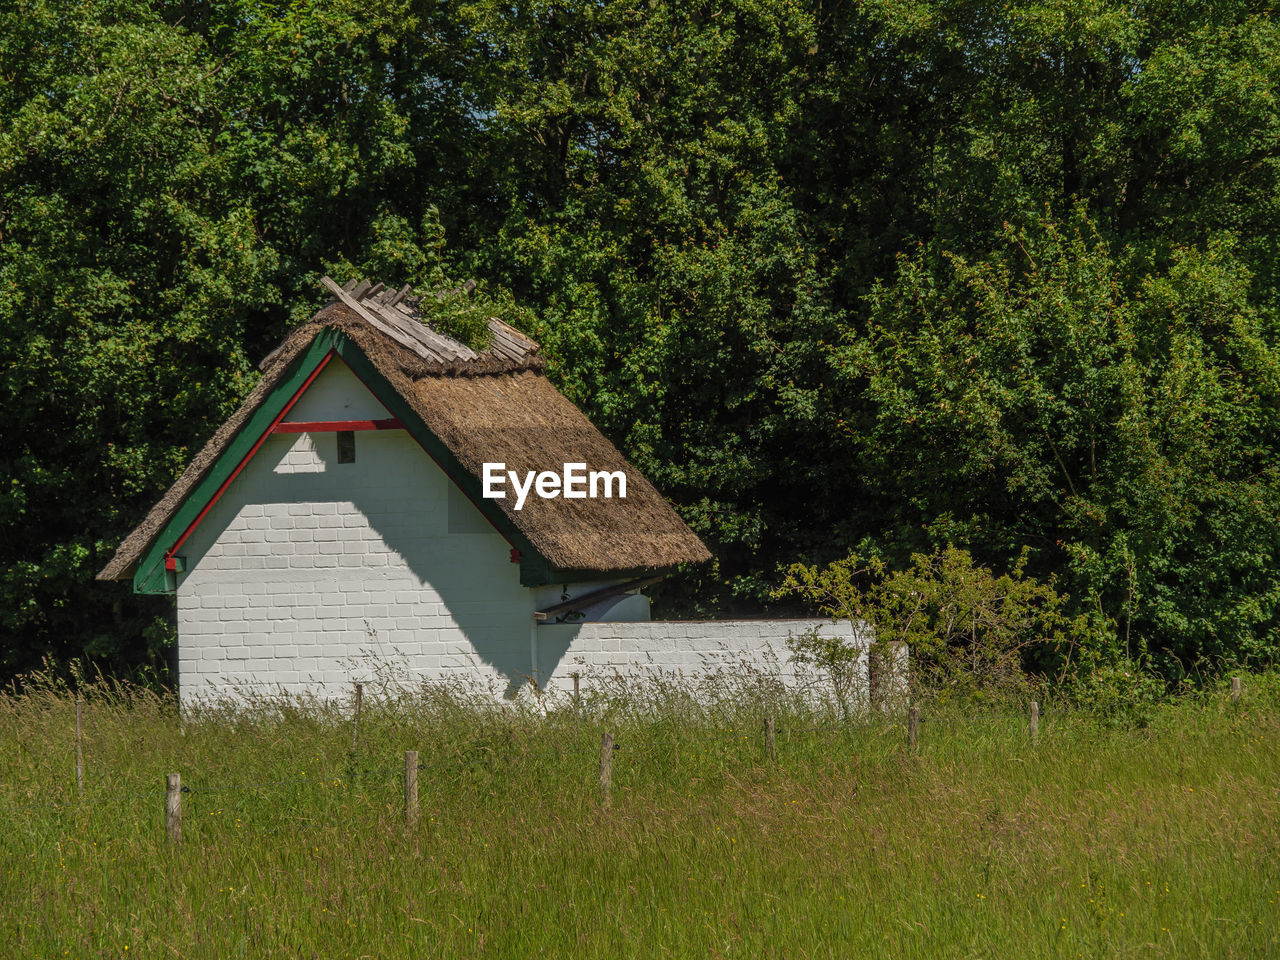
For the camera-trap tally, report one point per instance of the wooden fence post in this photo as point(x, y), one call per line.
point(355, 720)
point(913, 728)
point(1236, 689)
point(606, 766)
point(173, 807)
point(577, 699)
point(769, 745)
point(1035, 721)
point(411, 787)
point(79, 751)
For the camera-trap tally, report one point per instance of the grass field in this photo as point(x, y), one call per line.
point(1097, 842)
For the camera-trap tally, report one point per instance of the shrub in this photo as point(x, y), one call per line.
point(969, 632)
point(1117, 692)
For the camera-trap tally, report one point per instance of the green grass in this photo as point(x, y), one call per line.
point(1098, 842)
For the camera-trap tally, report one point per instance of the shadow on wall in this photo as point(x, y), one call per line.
point(435, 544)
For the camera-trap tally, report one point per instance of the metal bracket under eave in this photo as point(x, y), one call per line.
point(172, 567)
point(595, 596)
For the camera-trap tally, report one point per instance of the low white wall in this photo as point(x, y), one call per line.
point(740, 651)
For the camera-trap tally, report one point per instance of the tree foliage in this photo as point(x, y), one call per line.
point(890, 276)
point(1124, 432)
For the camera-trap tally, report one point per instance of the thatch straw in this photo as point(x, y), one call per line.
point(485, 410)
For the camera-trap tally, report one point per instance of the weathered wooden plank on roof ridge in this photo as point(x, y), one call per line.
point(451, 349)
point(381, 325)
point(497, 324)
point(503, 347)
point(509, 342)
point(438, 349)
point(397, 314)
point(519, 344)
point(445, 348)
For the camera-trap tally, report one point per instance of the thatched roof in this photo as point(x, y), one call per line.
point(486, 406)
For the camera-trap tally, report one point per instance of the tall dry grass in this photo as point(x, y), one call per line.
point(1101, 840)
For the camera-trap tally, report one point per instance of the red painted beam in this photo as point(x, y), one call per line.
point(169, 554)
point(333, 426)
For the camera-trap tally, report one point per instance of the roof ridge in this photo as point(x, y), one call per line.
point(398, 316)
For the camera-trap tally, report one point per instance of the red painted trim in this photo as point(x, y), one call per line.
point(168, 556)
point(332, 426)
point(514, 551)
point(170, 564)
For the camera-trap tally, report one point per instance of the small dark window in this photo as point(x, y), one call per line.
point(346, 446)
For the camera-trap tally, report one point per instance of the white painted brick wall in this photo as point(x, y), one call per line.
point(308, 573)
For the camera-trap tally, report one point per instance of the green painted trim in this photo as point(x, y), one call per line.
point(150, 576)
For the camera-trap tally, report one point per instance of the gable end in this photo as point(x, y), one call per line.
point(157, 567)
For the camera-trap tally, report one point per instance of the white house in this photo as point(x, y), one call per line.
point(338, 520)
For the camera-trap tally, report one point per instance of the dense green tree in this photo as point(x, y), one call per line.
point(888, 275)
point(638, 160)
point(1125, 433)
point(126, 266)
point(168, 197)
